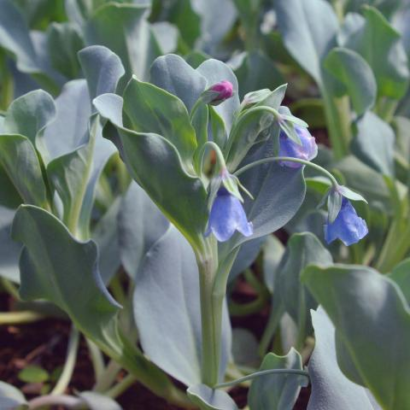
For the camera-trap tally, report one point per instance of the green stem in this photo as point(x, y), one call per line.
point(73, 214)
point(7, 86)
point(11, 288)
point(338, 121)
point(97, 358)
point(211, 319)
point(107, 378)
point(69, 364)
point(385, 108)
point(339, 9)
point(18, 318)
point(122, 386)
point(289, 159)
point(261, 374)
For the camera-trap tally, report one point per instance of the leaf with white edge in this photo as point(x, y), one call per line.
point(140, 225)
point(173, 74)
point(207, 399)
point(19, 159)
point(102, 68)
point(29, 115)
point(149, 109)
point(124, 29)
point(169, 273)
point(376, 309)
point(331, 389)
point(70, 128)
point(356, 75)
point(374, 143)
point(97, 401)
point(277, 391)
point(167, 180)
point(309, 28)
point(56, 267)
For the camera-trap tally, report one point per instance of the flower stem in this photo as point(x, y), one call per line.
point(18, 318)
point(122, 386)
point(69, 364)
point(96, 357)
point(261, 374)
point(289, 159)
point(107, 378)
point(211, 319)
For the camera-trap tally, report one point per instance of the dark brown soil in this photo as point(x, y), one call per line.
point(44, 343)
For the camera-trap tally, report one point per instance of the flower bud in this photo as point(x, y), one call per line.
point(218, 93)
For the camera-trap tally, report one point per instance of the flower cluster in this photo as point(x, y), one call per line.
point(227, 214)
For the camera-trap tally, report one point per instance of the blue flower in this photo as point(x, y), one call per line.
point(227, 216)
point(288, 148)
point(347, 226)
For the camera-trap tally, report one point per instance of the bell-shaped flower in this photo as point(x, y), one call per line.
point(227, 216)
point(348, 226)
point(306, 150)
point(218, 93)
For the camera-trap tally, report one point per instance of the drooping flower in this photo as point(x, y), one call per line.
point(227, 216)
point(218, 93)
point(348, 226)
point(288, 148)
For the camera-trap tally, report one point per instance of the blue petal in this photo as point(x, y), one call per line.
point(227, 216)
point(289, 148)
point(348, 226)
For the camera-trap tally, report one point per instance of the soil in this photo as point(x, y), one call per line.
point(44, 343)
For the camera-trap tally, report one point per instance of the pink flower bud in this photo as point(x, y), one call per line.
point(218, 93)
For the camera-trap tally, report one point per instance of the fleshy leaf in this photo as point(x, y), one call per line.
point(277, 391)
point(207, 399)
point(376, 309)
point(331, 389)
point(56, 267)
point(140, 225)
point(170, 268)
point(356, 75)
